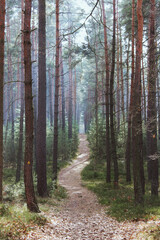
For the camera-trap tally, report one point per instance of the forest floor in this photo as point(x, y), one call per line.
point(80, 216)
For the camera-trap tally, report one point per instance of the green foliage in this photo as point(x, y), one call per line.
point(4, 210)
point(60, 193)
point(56, 191)
point(97, 141)
point(120, 201)
point(14, 192)
point(9, 175)
point(66, 149)
point(74, 142)
point(10, 147)
point(88, 172)
point(63, 147)
point(16, 220)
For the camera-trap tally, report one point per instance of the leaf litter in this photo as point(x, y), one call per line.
point(80, 216)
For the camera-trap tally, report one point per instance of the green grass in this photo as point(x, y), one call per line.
point(16, 220)
point(120, 201)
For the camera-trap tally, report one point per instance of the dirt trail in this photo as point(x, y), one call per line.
point(81, 216)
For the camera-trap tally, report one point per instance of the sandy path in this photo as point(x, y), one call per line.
point(80, 216)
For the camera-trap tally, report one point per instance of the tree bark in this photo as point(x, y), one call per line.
point(50, 97)
point(118, 83)
point(20, 144)
point(112, 125)
point(127, 80)
point(70, 107)
point(129, 134)
point(122, 82)
point(63, 93)
point(108, 153)
point(57, 77)
point(137, 119)
point(41, 123)
point(152, 113)
point(2, 27)
point(28, 161)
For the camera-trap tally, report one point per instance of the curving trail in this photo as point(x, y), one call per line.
point(81, 216)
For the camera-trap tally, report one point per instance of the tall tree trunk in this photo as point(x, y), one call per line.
point(2, 27)
point(112, 125)
point(127, 81)
point(28, 162)
point(118, 84)
point(144, 94)
point(152, 114)
point(63, 92)
point(108, 153)
point(137, 119)
point(158, 88)
point(96, 109)
point(122, 81)
point(129, 134)
point(103, 95)
point(11, 92)
point(70, 107)
point(35, 87)
point(50, 97)
point(55, 142)
point(75, 96)
point(41, 123)
point(20, 143)
point(62, 105)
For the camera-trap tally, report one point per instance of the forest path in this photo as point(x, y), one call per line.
point(80, 216)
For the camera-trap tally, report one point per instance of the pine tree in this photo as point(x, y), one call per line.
point(57, 80)
point(137, 119)
point(2, 27)
point(41, 123)
point(28, 161)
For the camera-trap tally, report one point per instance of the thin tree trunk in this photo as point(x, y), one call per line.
point(127, 80)
point(2, 27)
point(96, 110)
point(50, 97)
point(35, 88)
point(28, 162)
point(158, 88)
point(122, 81)
point(75, 96)
point(70, 107)
point(151, 114)
point(129, 134)
point(55, 142)
point(103, 95)
point(118, 84)
point(11, 93)
point(112, 125)
point(108, 153)
point(63, 94)
point(41, 123)
point(20, 146)
point(144, 94)
point(137, 119)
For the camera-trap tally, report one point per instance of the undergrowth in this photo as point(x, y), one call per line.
point(16, 220)
point(120, 201)
point(150, 233)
